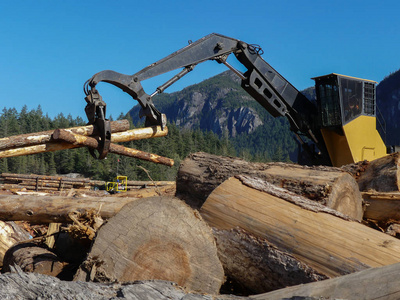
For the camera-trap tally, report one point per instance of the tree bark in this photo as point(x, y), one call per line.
point(254, 266)
point(330, 245)
point(37, 138)
point(81, 140)
point(374, 283)
point(32, 258)
point(10, 234)
point(50, 146)
point(55, 209)
point(200, 173)
point(381, 175)
point(155, 238)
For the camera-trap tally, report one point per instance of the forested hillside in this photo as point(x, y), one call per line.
point(220, 105)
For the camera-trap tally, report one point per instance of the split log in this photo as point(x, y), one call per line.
point(374, 283)
point(381, 175)
point(330, 245)
point(37, 138)
point(382, 207)
point(55, 209)
point(81, 140)
point(155, 238)
point(130, 135)
point(200, 173)
point(10, 234)
point(32, 258)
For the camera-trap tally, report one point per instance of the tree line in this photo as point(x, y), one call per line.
point(176, 145)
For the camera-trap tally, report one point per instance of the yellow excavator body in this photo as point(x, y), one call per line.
point(358, 141)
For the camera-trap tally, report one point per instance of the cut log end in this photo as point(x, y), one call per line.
point(155, 238)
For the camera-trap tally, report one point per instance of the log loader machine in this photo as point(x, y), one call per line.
point(340, 128)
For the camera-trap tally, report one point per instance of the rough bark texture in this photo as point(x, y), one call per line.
point(55, 209)
point(256, 266)
point(30, 139)
point(32, 258)
point(330, 245)
point(10, 234)
point(374, 283)
point(22, 285)
point(200, 173)
point(155, 238)
point(381, 175)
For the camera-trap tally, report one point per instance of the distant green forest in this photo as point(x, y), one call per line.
point(176, 145)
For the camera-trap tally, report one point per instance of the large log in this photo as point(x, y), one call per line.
point(130, 135)
point(155, 238)
point(81, 140)
point(374, 283)
point(254, 266)
point(32, 258)
point(37, 138)
point(330, 245)
point(55, 209)
point(200, 173)
point(21, 285)
point(381, 175)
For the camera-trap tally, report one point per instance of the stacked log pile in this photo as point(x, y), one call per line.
point(45, 183)
point(270, 231)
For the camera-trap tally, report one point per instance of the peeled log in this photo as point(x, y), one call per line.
point(55, 209)
point(200, 173)
point(37, 138)
point(330, 245)
point(155, 238)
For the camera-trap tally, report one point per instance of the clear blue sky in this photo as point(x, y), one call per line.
point(48, 49)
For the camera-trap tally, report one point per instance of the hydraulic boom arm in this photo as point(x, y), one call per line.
point(260, 80)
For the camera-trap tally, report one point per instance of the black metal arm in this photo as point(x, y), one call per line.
point(260, 80)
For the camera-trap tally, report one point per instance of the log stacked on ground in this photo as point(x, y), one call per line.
point(381, 175)
point(61, 139)
point(56, 209)
point(329, 245)
point(155, 238)
point(373, 283)
point(200, 173)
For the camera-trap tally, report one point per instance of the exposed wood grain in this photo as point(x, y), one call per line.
point(200, 173)
point(155, 238)
point(148, 132)
point(328, 244)
point(55, 209)
point(382, 207)
point(37, 138)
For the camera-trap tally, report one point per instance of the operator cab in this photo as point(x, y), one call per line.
point(347, 109)
point(342, 98)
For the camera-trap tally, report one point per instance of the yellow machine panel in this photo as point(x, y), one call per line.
point(360, 141)
point(118, 185)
